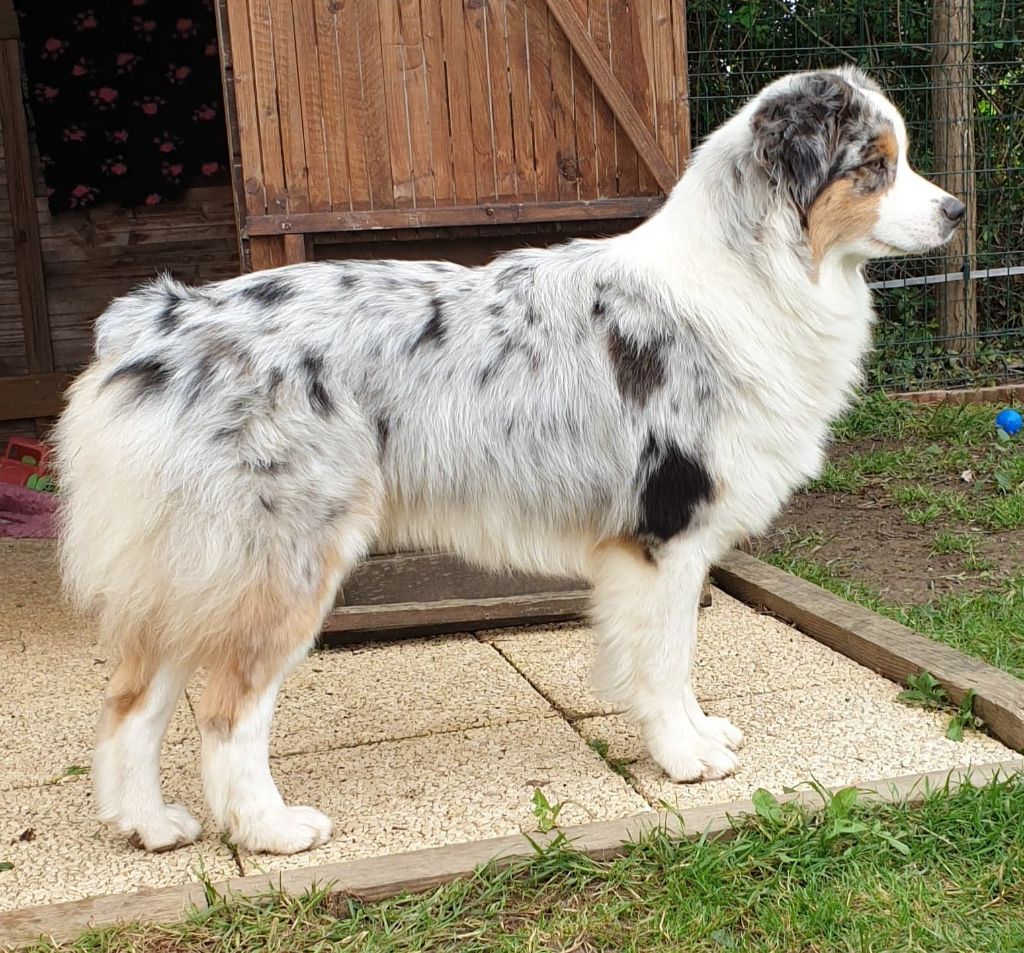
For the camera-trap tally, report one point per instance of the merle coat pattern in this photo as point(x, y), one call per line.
point(622, 409)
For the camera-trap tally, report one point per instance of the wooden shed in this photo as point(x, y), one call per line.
point(364, 128)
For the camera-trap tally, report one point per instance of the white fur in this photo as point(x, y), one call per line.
point(126, 772)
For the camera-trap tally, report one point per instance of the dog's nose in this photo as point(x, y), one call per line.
point(953, 209)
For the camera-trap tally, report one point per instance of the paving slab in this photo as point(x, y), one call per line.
point(833, 733)
point(388, 691)
point(739, 652)
point(61, 852)
point(447, 788)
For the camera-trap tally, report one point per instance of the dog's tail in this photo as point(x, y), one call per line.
point(178, 530)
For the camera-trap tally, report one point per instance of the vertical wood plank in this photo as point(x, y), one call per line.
point(662, 62)
point(604, 144)
point(565, 132)
point(346, 38)
point(438, 116)
point(267, 251)
point(246, 116)
point(396, 103)
point(519, 94)
point(638, 82)
point(484, 151)
point(464, 166)
point(414, 76)
point(542, 110)
point(499, 93)
point(268, 116)
point(623, 68)
point(297, 248)
point(28, 258)
point(378, 139)
point(309, 68)
point(227, 75)
point(289, 105)
point(681, 74)
point(332, 87)
point(583, 115)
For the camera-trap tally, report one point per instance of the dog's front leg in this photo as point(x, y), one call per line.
point(645, 613)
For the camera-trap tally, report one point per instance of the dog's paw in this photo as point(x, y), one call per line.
point(721, 730)
point(168, 829)
point(693, 758)
point(286, 830)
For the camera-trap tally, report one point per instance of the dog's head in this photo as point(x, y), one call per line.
point(835, 147)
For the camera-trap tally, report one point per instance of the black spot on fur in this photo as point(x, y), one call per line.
point(639, 367)
point(269, 467)
point(434, 330)
point(268, 291)
point(676, 484)
point(496, 310)
point(267, 503)
point(600, 310)
point(531, 315)
point(227, 433)
point(149, 373)
point(313, 369)
point(169, 317)
point(503, 355)
point(383, 433)
point(347, 281)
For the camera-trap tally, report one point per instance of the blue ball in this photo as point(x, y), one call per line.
point(1009, 421)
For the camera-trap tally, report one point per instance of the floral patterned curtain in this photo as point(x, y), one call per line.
point(125, 96)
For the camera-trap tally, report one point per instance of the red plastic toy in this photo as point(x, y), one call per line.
point(25, 462)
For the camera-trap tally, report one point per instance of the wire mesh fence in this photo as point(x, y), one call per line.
point(737, 47)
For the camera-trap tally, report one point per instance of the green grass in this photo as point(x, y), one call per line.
point(928, 445)
point(946, 544)
point(946, 875)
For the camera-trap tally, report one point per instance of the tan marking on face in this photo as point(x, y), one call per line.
point(847, 208)
point(887, 146)
point(840, 215)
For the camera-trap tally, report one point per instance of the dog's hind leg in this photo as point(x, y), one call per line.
point(273, 630)
point(140, 700)
point(645, 612)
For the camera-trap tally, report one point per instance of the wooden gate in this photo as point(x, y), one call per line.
point(355, 115)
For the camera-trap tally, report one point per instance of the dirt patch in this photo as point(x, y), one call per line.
point(866, 533)
point(872, 542)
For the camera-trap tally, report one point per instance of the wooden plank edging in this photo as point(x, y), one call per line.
point(876, 642)
point(376, 878)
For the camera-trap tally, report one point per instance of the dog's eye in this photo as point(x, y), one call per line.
point(877, 164)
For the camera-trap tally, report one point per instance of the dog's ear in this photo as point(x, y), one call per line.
point(796, 134)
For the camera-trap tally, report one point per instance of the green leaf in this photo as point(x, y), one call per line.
point(6, 865)
point(767, 806)
point(842, 802)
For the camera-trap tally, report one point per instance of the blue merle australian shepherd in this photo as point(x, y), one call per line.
point(623, 410)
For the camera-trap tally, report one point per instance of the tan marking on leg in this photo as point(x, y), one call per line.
point(630, 546)
point(270, 628)
point(127, 688)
